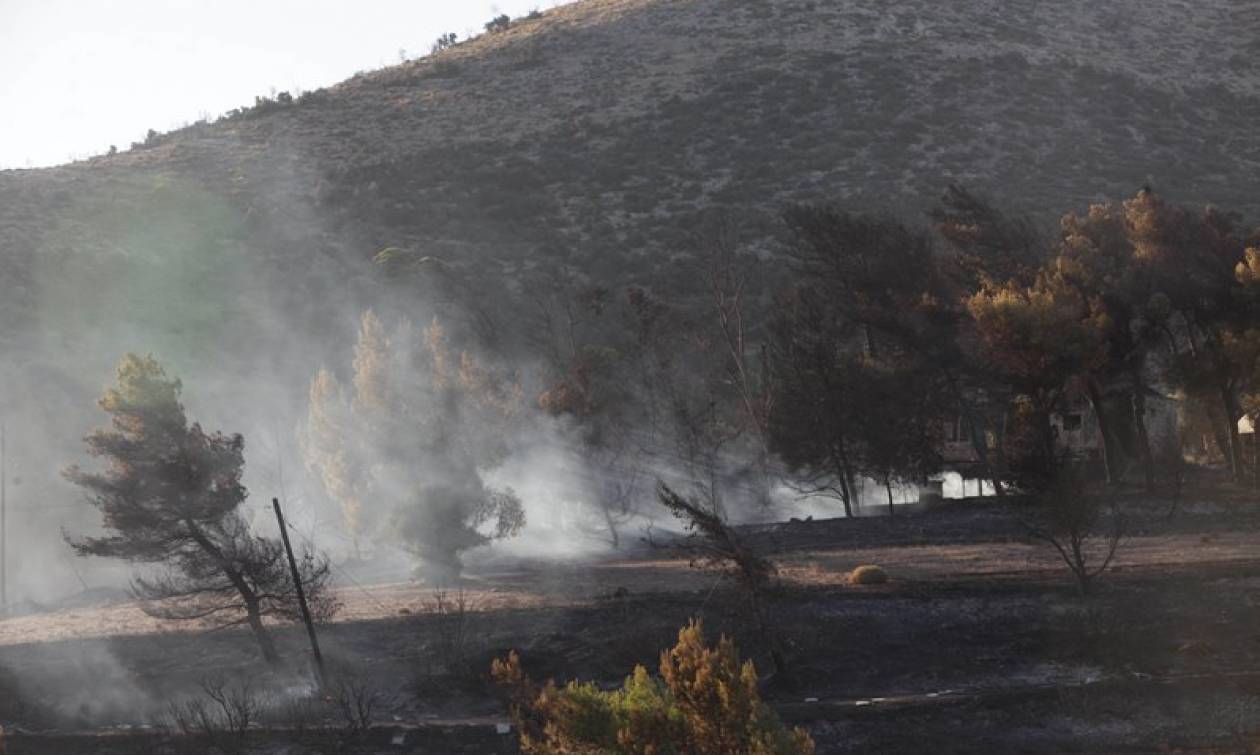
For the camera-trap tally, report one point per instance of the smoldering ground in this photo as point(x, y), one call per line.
point(217, 293)
point(245, 332)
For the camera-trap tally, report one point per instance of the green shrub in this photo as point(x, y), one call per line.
point(499, 23)
point(705, 702)
point(444, 42)
point(868, 574)
point(151, 139)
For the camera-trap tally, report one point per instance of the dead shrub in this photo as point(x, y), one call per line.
point(1083, 525)
point(868, 574)
point(221, 716)
point(457, 658)
point(713, 544)
point(17, 706)
point(300, 715)
point(452, 619)
point(357, 702)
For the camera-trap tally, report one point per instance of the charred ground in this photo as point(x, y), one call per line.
point(977, 642)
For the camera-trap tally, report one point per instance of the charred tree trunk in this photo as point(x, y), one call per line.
point(769, 637)
point(840, 465)
point(1104, 428)
point(1050, 457)
point(1217, 425)
point(1231, 418)
point(611, 523)
point(1143, 437)
point(265, 643)
point(849, 479)
point(253, 609)
point(980, 445)
point(253, 616)
point(888, 487)
point(976, 432)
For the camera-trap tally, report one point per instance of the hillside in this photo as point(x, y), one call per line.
point(592, 139)
point(595, 135)
point(561, 448)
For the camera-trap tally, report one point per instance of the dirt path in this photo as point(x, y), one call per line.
point(533, 585)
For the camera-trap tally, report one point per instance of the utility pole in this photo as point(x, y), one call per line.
point(4, 530)
point(301, 594)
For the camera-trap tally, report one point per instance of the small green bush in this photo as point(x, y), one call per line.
point(705, 702)
point(444, 42)
point(868, 574)
point(499, 23)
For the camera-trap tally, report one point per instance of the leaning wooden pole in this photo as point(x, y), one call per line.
point(4, 536)
point(301, 594)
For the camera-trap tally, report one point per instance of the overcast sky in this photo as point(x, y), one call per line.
point(79, 75)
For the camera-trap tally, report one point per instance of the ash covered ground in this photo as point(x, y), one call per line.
point(978, 642)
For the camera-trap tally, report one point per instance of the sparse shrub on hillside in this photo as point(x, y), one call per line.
point(444, 68)
point(533, 15)
point(705, 702)
point(444, 42)
point(264, 105)
point(151, 139)
point(529, 54)
point(499, 23)
point(311, 97)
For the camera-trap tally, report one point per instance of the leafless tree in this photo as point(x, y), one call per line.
point(585, 385)
point(235, 579)
point(729, 277)
point(1084, 527)
point(221, 716)
point(357, 701)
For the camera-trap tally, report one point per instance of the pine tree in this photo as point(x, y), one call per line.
point(1192, 259)
point(329, 456)
point(1036, 341)
point(406, 453)
point(169, 496)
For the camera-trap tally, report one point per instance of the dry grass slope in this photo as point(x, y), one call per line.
point(597, 135)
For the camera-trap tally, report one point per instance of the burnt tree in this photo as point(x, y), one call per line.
point(169, 496)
